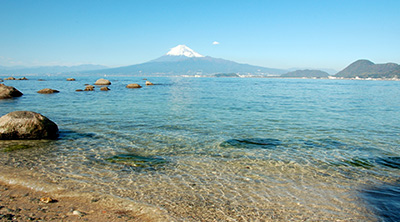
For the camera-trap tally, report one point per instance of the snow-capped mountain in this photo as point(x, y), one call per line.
point(182, 60)
point(178, 53)
point(182, 50)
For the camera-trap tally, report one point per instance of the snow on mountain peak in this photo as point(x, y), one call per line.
point(182, 50)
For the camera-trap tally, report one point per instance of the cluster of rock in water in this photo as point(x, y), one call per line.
point(104, 83)
point(31, 125)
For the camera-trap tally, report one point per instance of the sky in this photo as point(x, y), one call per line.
point(283, 34)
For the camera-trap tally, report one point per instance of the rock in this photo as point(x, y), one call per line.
point(23, 78)
point(48, 91)
point(47, 200)
point(10, 78)
point(27, 125)
point(102, 82)
point(79, 90)
point(41, 80)
point(133, 85)
point(148, 83)
point(8, 92)
point(70, 79)
point(89, 88)
point(78, 213)
point(104, 88)
point(8, 217)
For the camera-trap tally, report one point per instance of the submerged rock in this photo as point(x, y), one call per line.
point(102, 82)
point(104, 88)
point(48, 91)
point(133, 85)
point(138, 161)
point(27, 125)
point(8, 92)
point(251, 143)
point(14, 147)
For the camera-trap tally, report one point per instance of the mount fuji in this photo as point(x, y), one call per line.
point(182, 60)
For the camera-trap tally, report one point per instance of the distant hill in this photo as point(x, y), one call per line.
point(306, 73)
point(367, 69)
point(329, 71)
point(48, 69)
point(181, 60)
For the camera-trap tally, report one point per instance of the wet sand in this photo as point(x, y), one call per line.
point(18, 203)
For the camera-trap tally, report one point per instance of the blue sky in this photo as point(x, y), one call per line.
point(276, 34)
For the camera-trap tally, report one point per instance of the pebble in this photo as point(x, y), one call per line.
point(78, 213)
point(47, 200)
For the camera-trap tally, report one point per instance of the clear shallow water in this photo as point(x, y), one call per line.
point(222, 148)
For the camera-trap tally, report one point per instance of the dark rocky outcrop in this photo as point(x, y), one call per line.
point(13, 78)
point(8, 92)
point(102, 82)
point(27, 125)
point(47, 91)
point(133, 85)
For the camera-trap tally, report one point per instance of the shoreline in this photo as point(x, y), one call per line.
point(3, 77)
point(19, 202)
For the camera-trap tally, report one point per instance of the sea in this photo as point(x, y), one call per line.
point(218, 149)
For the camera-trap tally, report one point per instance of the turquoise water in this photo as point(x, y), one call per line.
point(239, 149)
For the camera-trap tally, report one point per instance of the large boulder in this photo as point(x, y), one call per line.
point(102, 82)
point(27, 125)
point(48, 91)
point(133, 85)
point(8, 92)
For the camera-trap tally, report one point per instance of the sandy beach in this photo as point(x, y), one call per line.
point(18, 203)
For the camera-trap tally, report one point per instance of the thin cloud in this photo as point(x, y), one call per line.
point(215, 43)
